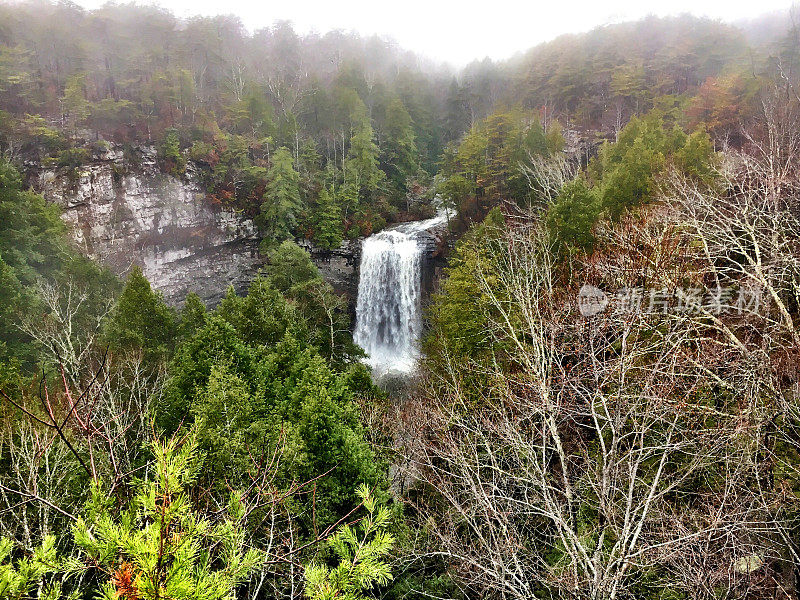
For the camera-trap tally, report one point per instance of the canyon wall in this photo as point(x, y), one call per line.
point(339, 266)
point(124, 215)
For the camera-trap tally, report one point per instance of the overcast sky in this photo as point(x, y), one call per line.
point(459, 31)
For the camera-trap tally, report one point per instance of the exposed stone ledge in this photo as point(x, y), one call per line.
point(339, 266)
point(125, 216)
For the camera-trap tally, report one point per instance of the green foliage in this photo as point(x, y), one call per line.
point(573, 215)
point(697, 157)
point(290, 268)
point(32, 236)
point(72, 158)
point(293, 273)
point(34, 247)
point(282, 201)
point(328, 232)
point(37, 136)
point(74, 102)
point(191, 367)
point(142, 321)
point(486, 167)
point(19, 578)
point(625, 176)
point(458, 312)
point(454, 190)
point(251, 376)
point(159, 546)
point(170, 153)
point(361, 552)
point(250, 403)
point(400, 154)
point(192, 316)
point(262, 317)
point(361, 171)
point(626, 170)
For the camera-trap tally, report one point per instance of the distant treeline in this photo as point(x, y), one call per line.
point(362, 123)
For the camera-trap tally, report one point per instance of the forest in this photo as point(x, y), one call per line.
point(606, 401)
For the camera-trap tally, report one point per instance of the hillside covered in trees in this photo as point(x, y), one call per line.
point(338, 132)
point(607, 399)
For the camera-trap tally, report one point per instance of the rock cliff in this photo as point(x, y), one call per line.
point(123, 215)
point(127, 215)
point(339, 266)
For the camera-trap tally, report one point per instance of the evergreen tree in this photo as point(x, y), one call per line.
point(458, 313)
point(328, 223)
point(361, 170)
point(457, 115)
point(23, 578)
point(399, 149)
point(171, 155)
point(293, 273)
point(362, 551)
point(192, 317)
point(348, 197)
point(34, 247)
point(160, 546)
point(282, 203)
point(141, 321)
point(74, 103)
point(572, 217)
point(290, 268)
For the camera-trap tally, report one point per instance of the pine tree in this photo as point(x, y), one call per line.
point(361, 170)
point(193, 316)
point(290, 268)
point(74, 103)
point(141, 320)
point(400, 149)
point(328, 230)
point(19, 578)
point(571, 218)
point(349, 201)
point(282, 197)
point(362, 552)
point(159, 547)
point(171, 155)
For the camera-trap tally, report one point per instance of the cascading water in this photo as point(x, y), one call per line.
point(388, 323)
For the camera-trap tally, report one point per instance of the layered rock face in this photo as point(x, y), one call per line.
point(338, 266)
point(125, 216)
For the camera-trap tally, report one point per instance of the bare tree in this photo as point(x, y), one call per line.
point(67, 332)
point(546, 175)
point(35, 487)
point(606, 453)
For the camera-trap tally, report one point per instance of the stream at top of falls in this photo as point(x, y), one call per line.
point(389, 301)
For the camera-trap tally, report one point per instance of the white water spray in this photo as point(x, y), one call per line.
point(388, 322)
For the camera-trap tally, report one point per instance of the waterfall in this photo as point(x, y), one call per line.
point(388, 321)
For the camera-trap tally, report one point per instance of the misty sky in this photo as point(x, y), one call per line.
point(458, 32)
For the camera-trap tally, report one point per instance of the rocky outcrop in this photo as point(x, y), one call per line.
point(124, 216)
point(338, 266)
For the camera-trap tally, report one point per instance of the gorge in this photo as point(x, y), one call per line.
point(124, 214)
